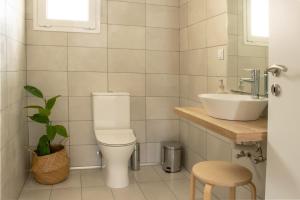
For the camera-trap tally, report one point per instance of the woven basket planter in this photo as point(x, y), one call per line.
point(53, 168)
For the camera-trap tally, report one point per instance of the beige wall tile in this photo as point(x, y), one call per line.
point(49, 58)
point(135, 37)
point(87, 59)
point(84, 83)
point(197, 85)
point(125, 60)
point(193, 62)
point(138, 108)
point(82, 133)
point(104, 11)
point(184, 39)
point(162, 39)
point(89, 40)
point(216, 67)
point(164, 2)
point(213, 84)
point(183, 21)
point(162, 85)
point(196, 36)
point(15, 82)
point(161, 107)
point(84, 155)
point(196, 11)
point(218, 149)
point(162, 16)
point(153, 152)
point(16, 57)
point(162, 62)
point(28, 9)
point(126, 13)
point(42, 37)
point(215, 7)
point(216, 30)
point(124, 82)
point(162, 130)
point(197, 139)
point(80, 108)
point(139, 129)
point(51, 83)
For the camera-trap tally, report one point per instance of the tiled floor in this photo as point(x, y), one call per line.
point(150, 183)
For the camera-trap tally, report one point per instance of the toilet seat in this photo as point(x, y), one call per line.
point(115, 137)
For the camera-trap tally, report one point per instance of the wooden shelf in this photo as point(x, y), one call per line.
point(237, 131)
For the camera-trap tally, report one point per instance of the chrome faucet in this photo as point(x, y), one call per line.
point(254, 81)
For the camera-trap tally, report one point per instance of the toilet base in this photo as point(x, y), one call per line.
point(117, 176)
point(116, 165)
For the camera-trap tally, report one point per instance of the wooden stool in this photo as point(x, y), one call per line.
point(220, 173)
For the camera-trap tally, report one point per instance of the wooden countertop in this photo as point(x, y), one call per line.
point(237, 131)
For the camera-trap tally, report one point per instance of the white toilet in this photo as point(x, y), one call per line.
point(111, 114)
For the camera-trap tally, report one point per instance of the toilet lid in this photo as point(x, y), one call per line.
point(115, 137)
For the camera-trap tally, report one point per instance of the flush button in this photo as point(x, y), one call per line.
point(276, 90)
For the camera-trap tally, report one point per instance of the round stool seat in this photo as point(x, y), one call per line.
point(221, 173)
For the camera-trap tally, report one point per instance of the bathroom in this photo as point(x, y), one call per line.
point(198, 72)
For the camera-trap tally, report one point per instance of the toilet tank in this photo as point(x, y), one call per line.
point(111, 110)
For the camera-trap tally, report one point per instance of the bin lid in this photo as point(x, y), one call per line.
point(172, 145)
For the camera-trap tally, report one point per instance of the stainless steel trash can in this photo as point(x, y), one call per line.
point(135, 158)
point(171, 156)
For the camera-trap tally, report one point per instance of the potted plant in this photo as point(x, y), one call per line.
point(50, 162)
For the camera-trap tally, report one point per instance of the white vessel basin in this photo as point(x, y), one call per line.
point(233, 106)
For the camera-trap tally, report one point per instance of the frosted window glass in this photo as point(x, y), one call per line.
point(260, 18)
point(71, 10)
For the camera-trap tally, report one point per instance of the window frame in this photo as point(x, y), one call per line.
point(41, 23)
point(248, 38)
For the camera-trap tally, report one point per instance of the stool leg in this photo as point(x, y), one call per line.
point(253, 190)
point(192, 187)
point(207, 192)
point(232, 193)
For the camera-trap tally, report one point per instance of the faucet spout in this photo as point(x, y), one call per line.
point(254, 81)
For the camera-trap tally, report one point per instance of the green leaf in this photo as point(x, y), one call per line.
point(40, 118)
point(61, 130)
point(44, 112)
point(50, 103)
point(34, 91)
point(51, 132)
point(43, 147)
point(37, 107)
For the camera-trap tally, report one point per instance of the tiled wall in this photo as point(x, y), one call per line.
point(244, 56)
point(205, 27)
point(203, 31)
point(14, 134)
point(137, 51)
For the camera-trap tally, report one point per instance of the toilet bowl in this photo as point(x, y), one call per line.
point(111, 117)
point(116, 147)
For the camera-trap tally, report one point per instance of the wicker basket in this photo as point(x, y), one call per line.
point(51, 169)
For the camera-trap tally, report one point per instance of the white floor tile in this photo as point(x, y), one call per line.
point(132, 192)
point(42, 194)
point(66, 194)
point(72, 181)
point(157, 191)
point(146, 174)
point(96, 193)
point(181, 188)
point(92, 177)
point(32, 184)
point(183, 174)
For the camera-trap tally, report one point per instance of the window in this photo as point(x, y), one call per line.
point(256, 21)
point(67, 15)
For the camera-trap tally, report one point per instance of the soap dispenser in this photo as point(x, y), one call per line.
point(221, 89)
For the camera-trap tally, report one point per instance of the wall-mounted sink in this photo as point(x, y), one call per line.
point(233, 106)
